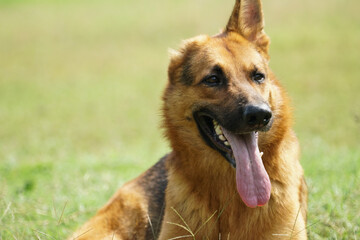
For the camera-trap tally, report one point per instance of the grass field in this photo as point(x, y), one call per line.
point(80, 97)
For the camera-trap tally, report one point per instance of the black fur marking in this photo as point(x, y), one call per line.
point(154, 184)
point(187, 76)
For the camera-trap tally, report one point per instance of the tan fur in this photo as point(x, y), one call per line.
point(201, 200)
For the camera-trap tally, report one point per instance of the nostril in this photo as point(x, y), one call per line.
point(252, 120)
point(267, 118)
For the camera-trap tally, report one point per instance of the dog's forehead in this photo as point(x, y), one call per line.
point(242, 53)
point(231, 53)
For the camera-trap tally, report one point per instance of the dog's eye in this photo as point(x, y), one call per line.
point(212, 81)
point(257, 77)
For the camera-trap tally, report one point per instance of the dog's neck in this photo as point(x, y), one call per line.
point(187, 178)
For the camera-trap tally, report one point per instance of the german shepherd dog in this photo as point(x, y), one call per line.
point(234, 171)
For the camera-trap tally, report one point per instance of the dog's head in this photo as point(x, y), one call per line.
point(221, 94)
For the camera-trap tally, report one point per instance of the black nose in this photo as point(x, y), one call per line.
point(257, 115)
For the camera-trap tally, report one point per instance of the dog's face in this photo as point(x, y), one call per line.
point(223, 80)
point(220, 96)
point(230, 77)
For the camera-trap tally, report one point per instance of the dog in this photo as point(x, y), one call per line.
point(233, 171)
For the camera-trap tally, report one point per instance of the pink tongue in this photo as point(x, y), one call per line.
point(252, 180)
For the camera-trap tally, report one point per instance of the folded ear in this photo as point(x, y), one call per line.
point(247, 20)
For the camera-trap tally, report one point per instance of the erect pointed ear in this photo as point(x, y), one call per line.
point(247, 20)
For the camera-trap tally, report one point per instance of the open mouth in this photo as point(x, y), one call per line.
point(213, 134)
point(242, 152)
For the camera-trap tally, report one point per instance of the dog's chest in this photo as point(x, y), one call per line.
point(228, 220)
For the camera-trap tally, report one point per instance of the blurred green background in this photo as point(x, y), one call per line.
point(80, 97)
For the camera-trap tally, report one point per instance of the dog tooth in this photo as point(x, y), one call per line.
point(226, 143)
point(218, 130)
point(222, 138)
point(261, 154)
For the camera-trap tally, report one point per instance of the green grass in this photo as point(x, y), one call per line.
point(80, 87)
